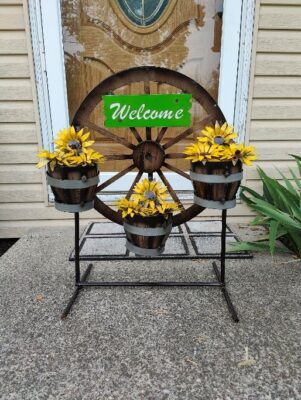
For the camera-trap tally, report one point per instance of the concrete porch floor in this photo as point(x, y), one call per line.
point(146, 343)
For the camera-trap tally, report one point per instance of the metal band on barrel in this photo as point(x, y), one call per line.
point(218, 205)
point(215, 178)
point(137, 230)
point(142, 251)
point(73, 208)
point(72, 183)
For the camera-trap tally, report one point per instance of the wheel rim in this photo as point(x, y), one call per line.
point(148, 155)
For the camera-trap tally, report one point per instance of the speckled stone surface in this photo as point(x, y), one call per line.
point(146, 343)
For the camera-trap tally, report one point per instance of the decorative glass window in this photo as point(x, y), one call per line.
point(143, 13)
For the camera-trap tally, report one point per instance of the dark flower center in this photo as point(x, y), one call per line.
point(219, 140)
point(150, 195)
point(237, 152)
point(74, 144)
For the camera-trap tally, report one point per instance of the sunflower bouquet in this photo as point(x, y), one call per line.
point(72, 149)
point(217, 144)
point(147, 200)
point(72, 170)
point(147, 218)
point(216, 166)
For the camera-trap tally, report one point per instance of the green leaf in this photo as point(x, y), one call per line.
point(275, 186)
point(295, 237)
point(295, 178)
point(251, 191)
point(288, 184)
point(299, 166)
point(279, 195)
point(247, 199)
point(280, 216)
point(260, 220)
point(253, 246)
point(296, 157)
point(273, 235)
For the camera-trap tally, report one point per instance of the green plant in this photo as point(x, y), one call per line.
point(279, 209)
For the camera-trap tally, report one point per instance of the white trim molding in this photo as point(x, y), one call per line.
point(38, 50)
point(47, 45)
point(236, 53)
point(244, 67)
point(229, 57)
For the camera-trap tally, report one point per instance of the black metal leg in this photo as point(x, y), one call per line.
point(76, 292)
point(77, 268)
point(76, 248)
point(226, 294)
point(223, 245)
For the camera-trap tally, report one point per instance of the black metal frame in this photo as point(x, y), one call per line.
point(81, 281)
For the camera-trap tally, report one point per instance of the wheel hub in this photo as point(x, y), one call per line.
point(148, 156)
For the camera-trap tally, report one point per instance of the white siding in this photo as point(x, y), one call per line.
point(275, 93)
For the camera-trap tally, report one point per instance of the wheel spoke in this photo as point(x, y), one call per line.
point(112, 157)
point(148, 130)
point(136, 180)
point(161, 134)
point(175, 155)
point(115, 178)
point(109, 135)
point(169, 187)
point(148, 133)
point(146, 87)
point(136, 134)
point(176, 170)
point(188, 132)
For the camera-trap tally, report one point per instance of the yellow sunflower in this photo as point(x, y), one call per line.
point(168, 207)
point(147, 200)
point(71, 149)
point(237, 152)
point(46, 157)
point(219, 135)
point(128, 207)
point(203, 152)
point(93, 157)
point(70, 140)
point(51, 158)
point(150, 193)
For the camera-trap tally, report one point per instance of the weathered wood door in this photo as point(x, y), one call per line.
point(102, 37)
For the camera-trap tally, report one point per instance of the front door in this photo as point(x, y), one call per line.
point(102, 37)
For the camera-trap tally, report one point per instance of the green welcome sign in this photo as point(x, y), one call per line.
point(147, 110)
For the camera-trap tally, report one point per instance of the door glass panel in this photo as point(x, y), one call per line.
point(143, 12)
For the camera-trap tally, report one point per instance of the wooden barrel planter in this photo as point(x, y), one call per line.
point(216, 183)
point(74, 188)
point(146, 236)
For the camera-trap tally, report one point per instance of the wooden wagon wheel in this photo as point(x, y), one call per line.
point(148, 155)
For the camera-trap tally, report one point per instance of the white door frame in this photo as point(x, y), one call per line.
point(47, 42)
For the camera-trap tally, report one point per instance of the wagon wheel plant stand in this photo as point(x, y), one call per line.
point(148, 155)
